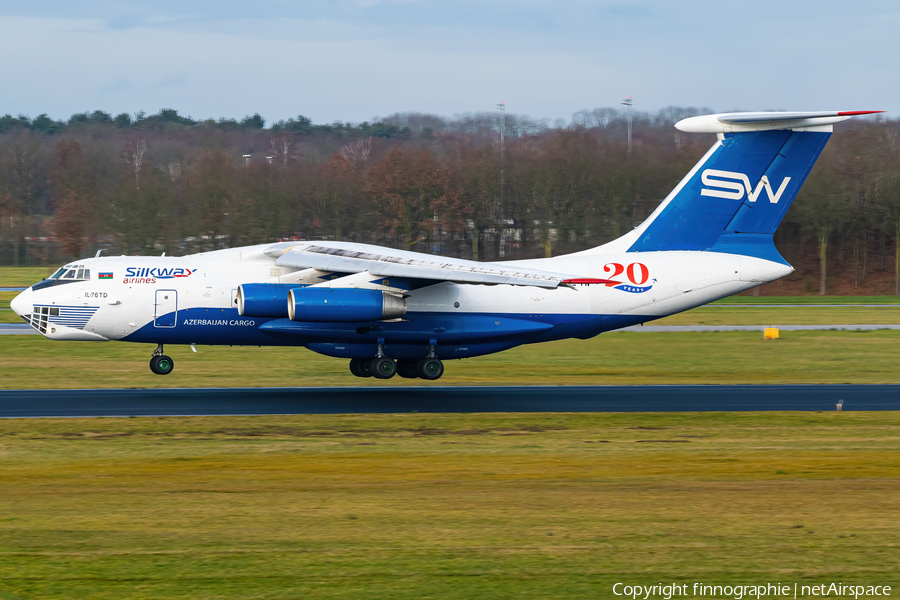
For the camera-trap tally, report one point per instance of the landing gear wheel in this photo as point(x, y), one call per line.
point(383, 368)
point(407, 369)
point(360, 367)
point(430, 368)
point(162, 365)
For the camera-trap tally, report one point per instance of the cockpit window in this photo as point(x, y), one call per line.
point(72, 273)
point(66, 274)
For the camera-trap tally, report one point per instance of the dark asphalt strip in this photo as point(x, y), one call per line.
point(340, 400)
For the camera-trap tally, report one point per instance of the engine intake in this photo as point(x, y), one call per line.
point(263, 299)
point(343, 305)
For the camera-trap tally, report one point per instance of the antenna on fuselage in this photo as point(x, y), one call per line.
point(163, 254)
point(98, 253)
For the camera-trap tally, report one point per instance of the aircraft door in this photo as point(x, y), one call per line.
point(165, 312)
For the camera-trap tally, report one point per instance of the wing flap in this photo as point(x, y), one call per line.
point(385, 262)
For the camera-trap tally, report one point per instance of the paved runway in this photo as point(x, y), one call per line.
point(17, 329)
point(260, 401)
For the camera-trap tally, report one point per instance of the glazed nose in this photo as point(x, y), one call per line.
point(22, 304)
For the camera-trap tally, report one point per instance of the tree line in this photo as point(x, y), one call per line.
point(146, 184)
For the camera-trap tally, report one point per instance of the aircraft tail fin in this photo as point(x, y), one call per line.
point(734, 199)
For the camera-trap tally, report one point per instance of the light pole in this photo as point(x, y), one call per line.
point(502, 108)
point(628, 102)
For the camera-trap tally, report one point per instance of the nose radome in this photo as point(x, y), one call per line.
point(22, 304)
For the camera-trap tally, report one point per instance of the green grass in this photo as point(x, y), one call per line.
point(24, 276)
point(8, 316)
point(810, 300)
point(624, 358)
point(801, 315)
point(444, 506)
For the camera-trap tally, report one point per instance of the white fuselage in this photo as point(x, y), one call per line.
point(198, 292)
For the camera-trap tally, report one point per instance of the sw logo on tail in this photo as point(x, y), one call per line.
point(737, 189)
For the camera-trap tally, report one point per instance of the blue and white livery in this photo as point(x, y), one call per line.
point(391, 311)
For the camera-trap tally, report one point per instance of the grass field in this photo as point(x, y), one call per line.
point(444, 506)
point(743, 299)
point(476, 506)
point(734, 314)
point(24, 276)
point(623, 358)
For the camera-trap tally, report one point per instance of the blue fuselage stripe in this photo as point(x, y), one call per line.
point(226, 327)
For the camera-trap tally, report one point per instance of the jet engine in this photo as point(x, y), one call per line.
point(343, 305)
point(263, 299)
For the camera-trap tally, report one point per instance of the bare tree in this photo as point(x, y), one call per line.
point(357, 153)
point(281, 146)
point(135, 147)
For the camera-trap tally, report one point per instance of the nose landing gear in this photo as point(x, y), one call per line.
point(160, 363)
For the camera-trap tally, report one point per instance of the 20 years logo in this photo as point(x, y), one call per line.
point(637, 273)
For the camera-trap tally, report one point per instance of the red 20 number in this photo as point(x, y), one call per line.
point(637, 273)
point(618, 269)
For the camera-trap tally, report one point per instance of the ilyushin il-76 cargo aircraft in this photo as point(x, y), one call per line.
point(390, 311)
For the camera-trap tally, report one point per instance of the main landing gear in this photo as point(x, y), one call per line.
point(385, 368)
point(382, 367)
point(160, 363)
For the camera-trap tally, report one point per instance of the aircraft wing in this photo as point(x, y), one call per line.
point(346, 257)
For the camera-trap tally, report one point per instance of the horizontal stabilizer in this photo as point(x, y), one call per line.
point(765, 121)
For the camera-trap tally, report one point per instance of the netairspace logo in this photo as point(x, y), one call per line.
point(738, 592)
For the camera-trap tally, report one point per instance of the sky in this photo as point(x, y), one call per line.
point(357, 60)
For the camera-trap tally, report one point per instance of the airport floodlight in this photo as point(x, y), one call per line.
point(501, 106)
point(628, 103)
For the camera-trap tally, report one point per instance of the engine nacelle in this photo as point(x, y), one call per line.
point(263, 299)
point(342, 305)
